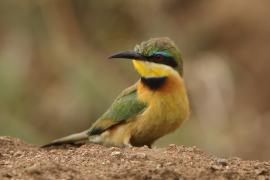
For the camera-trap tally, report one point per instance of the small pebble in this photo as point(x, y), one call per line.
point(113, 148)
point(261, 172)
point(140, 155)
point(108, 162)
point(215, 167)
point(172, 147)
point(116, 153)
point(222, 162)
point(18, 154)
point(33, 170)
point(169, 163)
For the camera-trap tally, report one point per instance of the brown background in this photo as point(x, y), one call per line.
point(55, 78)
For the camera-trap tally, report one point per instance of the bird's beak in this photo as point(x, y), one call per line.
point(129, 55)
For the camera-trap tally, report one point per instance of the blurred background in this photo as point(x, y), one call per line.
point(55, 78)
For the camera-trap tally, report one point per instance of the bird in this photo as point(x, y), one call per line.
point(157, 104)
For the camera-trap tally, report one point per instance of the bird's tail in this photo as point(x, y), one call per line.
point(71, 139)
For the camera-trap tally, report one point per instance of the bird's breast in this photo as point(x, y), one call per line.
point(167, 108)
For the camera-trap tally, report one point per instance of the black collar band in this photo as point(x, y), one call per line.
point(154, 83)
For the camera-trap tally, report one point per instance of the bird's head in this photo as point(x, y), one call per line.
point(157, 57)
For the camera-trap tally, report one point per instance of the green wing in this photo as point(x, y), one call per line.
point(123, 108)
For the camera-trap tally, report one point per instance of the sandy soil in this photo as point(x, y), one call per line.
point(19, 160)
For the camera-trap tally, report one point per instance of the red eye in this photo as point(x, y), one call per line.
point(159, 57)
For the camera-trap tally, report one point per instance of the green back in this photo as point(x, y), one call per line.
point(123, 109)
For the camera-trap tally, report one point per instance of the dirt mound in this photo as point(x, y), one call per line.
point(19, 160)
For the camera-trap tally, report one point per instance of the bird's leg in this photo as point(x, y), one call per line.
point(149, 145)
point(127, 142)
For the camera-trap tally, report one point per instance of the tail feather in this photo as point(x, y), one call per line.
point(73, 138)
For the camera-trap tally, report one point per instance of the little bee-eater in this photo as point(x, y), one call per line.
point(154, 106)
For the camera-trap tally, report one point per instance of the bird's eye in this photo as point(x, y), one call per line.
point(158, 57)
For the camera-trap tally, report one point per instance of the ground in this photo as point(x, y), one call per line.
point(19, 160)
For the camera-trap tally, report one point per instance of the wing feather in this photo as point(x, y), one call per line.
point(123, 108)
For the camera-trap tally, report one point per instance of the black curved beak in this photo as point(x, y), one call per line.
point(129, 55)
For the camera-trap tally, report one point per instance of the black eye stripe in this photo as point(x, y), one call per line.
point(170, 61)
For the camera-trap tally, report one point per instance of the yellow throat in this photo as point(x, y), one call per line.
point(148, 69)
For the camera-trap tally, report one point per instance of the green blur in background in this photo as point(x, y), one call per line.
point(55, 78)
